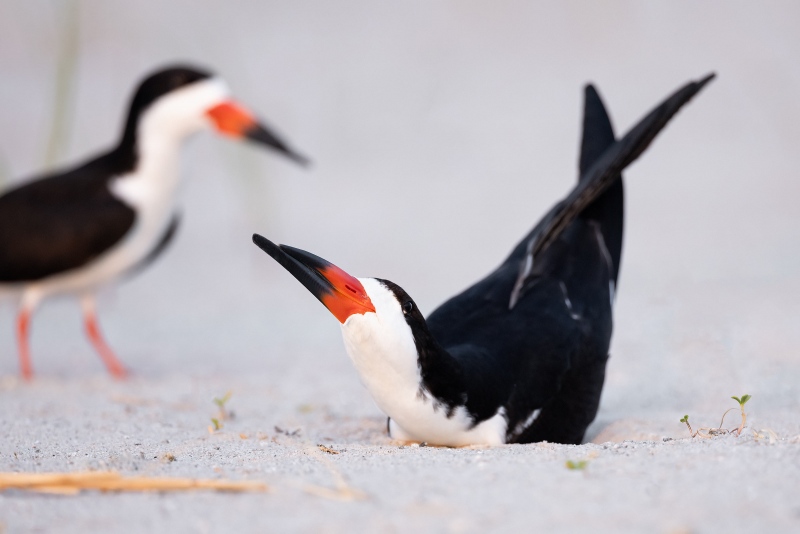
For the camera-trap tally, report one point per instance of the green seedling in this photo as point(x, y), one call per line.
point(216, 422)
point(577, 465)
point(742, 402)
point(685, 419)
point(707, 432)
point(221, 401)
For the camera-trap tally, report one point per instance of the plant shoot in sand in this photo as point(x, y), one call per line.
point(708, 432)
point(223, 413)
point(576, 465)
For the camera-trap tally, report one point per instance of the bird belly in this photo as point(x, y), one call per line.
point(385, 357)
point(424, 421)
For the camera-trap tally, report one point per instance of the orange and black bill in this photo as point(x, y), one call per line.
point(341, 293)
point(232, 119)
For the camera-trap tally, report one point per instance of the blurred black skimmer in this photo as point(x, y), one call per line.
point(74, 231)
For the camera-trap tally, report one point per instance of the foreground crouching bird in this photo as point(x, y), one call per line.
point(520, 356)
point(75, 231)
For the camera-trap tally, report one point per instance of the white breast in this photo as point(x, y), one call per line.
point(381, 346)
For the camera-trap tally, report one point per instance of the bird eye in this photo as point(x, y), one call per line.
point(408, 307)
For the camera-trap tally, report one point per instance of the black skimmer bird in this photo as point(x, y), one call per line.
point(73, 231)
point(520, 356)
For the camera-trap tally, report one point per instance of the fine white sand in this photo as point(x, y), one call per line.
point(440, 132)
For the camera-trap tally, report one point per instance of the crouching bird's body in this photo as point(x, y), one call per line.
point(520, 356)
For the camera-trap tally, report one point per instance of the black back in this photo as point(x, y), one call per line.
point(534, 334)
point(61, 222)
point(65, 220)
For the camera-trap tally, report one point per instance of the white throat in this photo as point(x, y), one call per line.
point(381, 346)
point(151, 189)
point(160, 133)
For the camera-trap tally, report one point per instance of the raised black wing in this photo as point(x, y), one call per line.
point(599, 177)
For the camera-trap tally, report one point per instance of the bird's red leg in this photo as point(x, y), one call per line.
point(23, 324)
point(114, 366)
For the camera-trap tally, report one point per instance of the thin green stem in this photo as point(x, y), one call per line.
point(744, 420)
point(4, 172)
point(723, 416)
point(69, 14)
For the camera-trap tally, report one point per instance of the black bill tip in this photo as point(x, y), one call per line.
point(707, 78)
point(265, 244)
point(261, 134)
point(305, 274)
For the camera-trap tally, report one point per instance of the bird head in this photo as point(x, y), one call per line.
point(381, 324)
point(175, 102)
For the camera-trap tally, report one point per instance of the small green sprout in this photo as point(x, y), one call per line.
point(215, 425)
point(216, 422)
point(705, 432)
point(220, 401)
point(685, 419)
point(742, 402)
point(577, 465)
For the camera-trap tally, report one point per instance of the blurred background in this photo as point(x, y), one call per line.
point(440, 132)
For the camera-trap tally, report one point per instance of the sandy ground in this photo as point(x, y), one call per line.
point(440, 132)
point(645, 476)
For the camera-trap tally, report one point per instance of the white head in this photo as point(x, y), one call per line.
point(175, 102)
point(183, 111)
point(378, 321)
